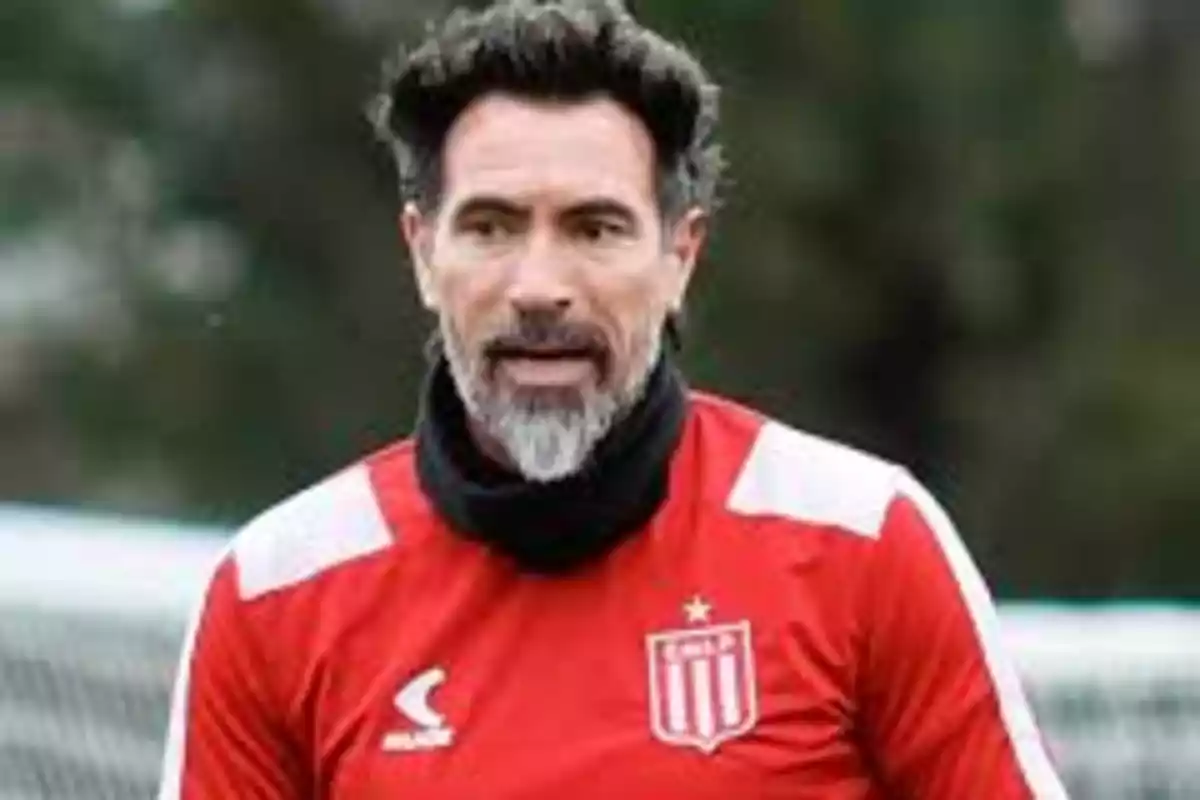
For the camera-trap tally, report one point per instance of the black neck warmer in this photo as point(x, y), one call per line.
point(557, 526)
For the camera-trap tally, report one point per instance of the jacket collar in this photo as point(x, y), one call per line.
point(558, 526)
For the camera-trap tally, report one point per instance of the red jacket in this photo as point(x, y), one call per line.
point(799, 620)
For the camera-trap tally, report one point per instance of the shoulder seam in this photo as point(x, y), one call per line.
point(809, 479)
point(336, 521)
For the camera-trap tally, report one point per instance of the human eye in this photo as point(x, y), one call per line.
point(487, 226)
point(485, 229)
point(600, 230)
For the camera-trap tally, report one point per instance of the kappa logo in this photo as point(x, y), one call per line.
point(412, 702)
point(702, 684)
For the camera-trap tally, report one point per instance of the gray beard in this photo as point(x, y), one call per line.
point(546, 439)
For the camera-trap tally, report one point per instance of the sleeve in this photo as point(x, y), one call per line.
point(943, 711)
point(225, 738)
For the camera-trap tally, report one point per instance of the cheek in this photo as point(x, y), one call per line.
point(638, 303)
point(468, 301)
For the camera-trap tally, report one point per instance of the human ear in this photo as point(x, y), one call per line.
point(687, 238)
point(418, 230)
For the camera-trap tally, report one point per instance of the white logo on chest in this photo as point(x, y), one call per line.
point(412, 702)
point(702, 684)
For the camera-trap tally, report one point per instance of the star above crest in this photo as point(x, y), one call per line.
point(697, 610)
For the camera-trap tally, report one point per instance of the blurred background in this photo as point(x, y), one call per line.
point(962, 235)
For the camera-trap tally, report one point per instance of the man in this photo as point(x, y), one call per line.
point(579, 579)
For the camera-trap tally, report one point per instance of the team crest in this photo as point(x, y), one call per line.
point(702, 685)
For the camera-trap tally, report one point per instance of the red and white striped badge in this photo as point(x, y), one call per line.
point(702, 688)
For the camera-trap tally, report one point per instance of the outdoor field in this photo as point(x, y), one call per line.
point(962, 236)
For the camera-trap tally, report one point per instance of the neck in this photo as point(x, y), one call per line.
point(560, 525)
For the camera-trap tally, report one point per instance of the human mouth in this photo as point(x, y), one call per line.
point(547, 368)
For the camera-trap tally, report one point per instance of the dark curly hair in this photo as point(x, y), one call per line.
point(561, 50)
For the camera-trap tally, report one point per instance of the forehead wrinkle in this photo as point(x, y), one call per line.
point(536, 153)
point(528, 191)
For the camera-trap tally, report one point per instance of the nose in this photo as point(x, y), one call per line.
point(540, 279)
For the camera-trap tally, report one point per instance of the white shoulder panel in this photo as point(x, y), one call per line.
point(326, 525)
point(809, 479)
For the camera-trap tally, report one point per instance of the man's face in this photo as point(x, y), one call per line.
point(551, 271)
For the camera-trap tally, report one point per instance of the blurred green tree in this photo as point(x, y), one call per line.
point(962, 235)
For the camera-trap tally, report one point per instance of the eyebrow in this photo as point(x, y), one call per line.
point(489, 204)
point(594, 207)
point(602, 207)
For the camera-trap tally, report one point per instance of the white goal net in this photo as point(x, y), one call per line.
point(1117, 690)
point(92, 612)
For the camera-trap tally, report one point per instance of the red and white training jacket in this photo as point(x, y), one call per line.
point(799, 620)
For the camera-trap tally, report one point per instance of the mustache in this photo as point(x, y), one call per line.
point(539, 333)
